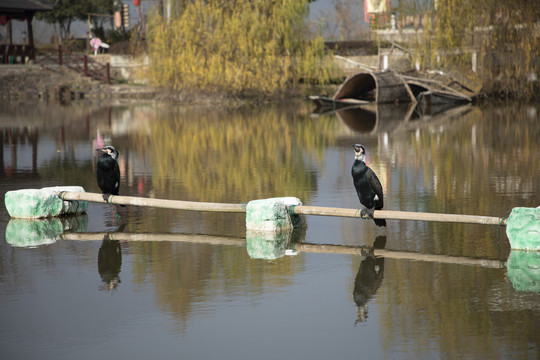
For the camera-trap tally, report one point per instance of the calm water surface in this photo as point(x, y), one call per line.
point(140, 283)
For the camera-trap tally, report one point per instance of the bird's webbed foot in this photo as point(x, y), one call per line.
point(366, 213)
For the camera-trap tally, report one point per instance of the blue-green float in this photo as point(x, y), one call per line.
point(43, 203)
point(523, 269)
point(523, 228)
point(45, 231)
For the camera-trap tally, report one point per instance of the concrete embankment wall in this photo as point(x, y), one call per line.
point(134, 69)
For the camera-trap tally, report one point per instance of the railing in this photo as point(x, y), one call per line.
point(80, 63)
point(14, 54)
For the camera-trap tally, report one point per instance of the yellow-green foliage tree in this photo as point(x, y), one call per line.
point(247, 48)
point(510, 52)
point(504, 35)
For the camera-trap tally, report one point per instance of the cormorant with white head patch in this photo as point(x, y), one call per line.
point(108, 172)
point(367, 185)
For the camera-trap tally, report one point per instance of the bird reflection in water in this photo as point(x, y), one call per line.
point(109, 263)
point(368, 279)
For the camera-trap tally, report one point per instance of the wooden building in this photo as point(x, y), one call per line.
point(21, 10)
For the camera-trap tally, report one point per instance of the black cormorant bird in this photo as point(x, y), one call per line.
point(367, 184)
point(108, 172)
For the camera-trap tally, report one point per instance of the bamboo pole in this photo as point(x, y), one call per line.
point(299, 209)
point(301, 247)
point(159, 203)
point(398, 215)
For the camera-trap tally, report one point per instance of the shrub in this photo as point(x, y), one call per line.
point(504, 35)
point(247, 48)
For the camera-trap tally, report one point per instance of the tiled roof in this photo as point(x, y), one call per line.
point(24, 5)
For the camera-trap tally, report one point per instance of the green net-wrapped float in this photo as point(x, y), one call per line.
point(523, 269)
point(43, 203)
point(272, 214)
point(523, 229)
point(37, 232)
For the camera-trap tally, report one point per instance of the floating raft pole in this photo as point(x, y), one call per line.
point(399, 215)
point(274, 214)
point(149, 202)
point(292, 206)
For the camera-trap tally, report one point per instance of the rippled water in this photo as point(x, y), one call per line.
point(141, 282)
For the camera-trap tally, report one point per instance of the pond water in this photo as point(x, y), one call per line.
point(140, 282)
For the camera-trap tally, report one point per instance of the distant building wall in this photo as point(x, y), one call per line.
point(43, 31)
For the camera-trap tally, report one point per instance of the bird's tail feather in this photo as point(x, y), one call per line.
point(380, 222)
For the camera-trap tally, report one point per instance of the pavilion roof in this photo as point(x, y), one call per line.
point(12, 7)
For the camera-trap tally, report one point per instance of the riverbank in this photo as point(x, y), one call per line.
point(20, 83)
point(59, 84)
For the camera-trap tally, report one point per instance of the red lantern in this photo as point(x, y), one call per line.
point(136, 2)
point(117, 19)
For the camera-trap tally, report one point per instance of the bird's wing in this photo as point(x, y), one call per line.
point(117, 176)
point(100, 175)
point(375, 185)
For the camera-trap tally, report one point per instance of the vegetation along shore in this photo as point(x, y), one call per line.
point(260, 51)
